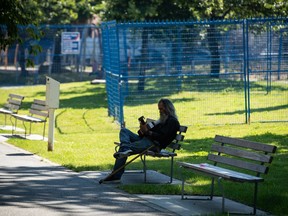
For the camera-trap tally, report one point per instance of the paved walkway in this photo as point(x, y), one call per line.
point(31, 185)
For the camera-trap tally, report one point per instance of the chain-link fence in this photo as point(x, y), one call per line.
point(69, 53)
point(216, 72)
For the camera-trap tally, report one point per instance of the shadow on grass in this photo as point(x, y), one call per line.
point(266, 109)
point(87, 98)
point(199, 148)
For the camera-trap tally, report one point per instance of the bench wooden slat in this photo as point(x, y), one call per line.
point(179, 137)
point(39, 107)
point(246, 144)
point(242, 153)
point(238, 163)
point(39, 113)
point(183, 129)
point(216, 171)
point(162, 153)
point(12, 107)
point(173, 146)
point(41, 102)
point(14, 102)
point(16, 96)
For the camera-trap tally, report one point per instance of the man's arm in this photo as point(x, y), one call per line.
point(165, 133)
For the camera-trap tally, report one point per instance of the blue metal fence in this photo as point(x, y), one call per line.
point(216, 72)
point(186, 60)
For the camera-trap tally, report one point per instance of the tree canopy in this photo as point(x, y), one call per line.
point(202, 9)
point(15, 13)
point(33, 12)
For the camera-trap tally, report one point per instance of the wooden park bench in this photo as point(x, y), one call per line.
point(38, 113)
point(231, 159)
point(169, 152)
point(12, 106)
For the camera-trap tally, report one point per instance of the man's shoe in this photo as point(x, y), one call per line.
point(111, 180)
point(123, 154)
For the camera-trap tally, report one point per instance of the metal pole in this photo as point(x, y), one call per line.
point(51, 129)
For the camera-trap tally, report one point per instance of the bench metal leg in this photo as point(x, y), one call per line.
point(212, 188)
point(44, 130)
point(13, 125)
point(143, 159)
point(255, 198)
point(134, 158)
point(182, 188)
point(5, 120)
point(201, 197)
point(171, 169)
point(30, 129)
point(222, 192)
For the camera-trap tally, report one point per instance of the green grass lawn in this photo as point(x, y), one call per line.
point(84, 137)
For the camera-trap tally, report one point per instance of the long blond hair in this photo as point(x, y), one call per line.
point(169, 107)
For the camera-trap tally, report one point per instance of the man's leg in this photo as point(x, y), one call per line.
point(119, 163)
point(136, 147)
point(129, 141)
point(126, 136)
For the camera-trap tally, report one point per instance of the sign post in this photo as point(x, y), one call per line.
point(52, 102)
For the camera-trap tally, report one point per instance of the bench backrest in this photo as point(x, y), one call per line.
point(241, 153)
point(39, 109)
point(175, 145)
point(14, 102)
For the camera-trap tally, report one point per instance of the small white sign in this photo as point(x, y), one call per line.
point(70, 43)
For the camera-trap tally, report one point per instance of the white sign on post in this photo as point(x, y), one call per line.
point(52, 102)
point(70, 43)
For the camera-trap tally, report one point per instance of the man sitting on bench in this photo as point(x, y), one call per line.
point(157, 137)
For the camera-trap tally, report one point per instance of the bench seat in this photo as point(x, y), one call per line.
point(162, 153)
point(217, 171)
point(28, 118)
point(5, 111)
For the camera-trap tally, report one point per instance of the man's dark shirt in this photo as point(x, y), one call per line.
point(165, 133)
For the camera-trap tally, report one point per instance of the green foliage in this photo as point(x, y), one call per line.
point(13, 14)
point(122, 10)
point(67, 12)
point(34, 12)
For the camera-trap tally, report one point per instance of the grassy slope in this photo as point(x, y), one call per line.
point(84, 141)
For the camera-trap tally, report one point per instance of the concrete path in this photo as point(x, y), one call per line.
point(31, 185)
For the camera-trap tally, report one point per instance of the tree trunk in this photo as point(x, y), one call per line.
point(214, 51)
point(56, 63)
point(144, 59)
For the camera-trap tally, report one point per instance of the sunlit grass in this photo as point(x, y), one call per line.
point(84, 136)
